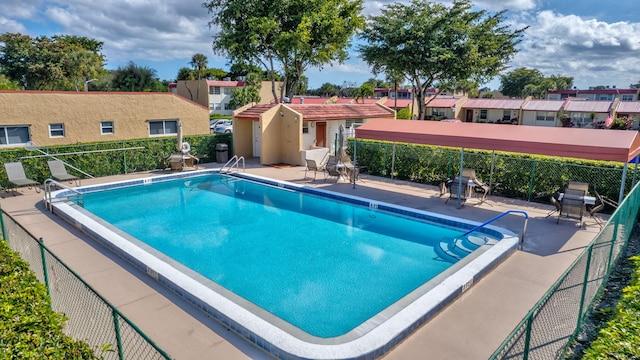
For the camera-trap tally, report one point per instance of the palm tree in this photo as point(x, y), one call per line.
point(396, 78)
point(199, 63)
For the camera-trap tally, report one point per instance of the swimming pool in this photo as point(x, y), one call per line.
point(323, 315)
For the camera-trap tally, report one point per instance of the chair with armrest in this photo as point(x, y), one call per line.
point(599, 206)
point(17, 177)
point(458, 188)
point(59, 172)
point(572, 205)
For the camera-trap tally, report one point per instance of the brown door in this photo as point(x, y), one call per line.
point(321, 134)
point(469, 117)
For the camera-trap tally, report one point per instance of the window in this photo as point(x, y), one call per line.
point(483, 114)
point(106, 127)
point(214, 106)
point(14, 135)
point(214, 90)
point(605, 97)
point(437, 112)
point(627, 97)
point(545, 116)
point(228, 91)
point(305, 127)
point(163, 127)
point(506, 115)
point(56, 130)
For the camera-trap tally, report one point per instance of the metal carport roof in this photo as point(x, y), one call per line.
point(594, 144)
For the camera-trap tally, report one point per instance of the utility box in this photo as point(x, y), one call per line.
point(222, 153)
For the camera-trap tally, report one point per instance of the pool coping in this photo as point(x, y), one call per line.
point(375, 342)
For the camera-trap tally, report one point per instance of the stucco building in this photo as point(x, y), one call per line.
point(64, 117)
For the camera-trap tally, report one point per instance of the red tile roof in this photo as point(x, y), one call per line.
point(442, 102)
point(225, 83)
point(341, 111)
point(314, 112)
point(576, 105)
point(402, 103)
point(493, 103)
point(629, 107)
point(543, 105)
point(254, 112)
point(310, 100)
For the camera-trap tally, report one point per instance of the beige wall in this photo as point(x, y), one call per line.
point(281, 137)
point(82, 112)
point(194, 90)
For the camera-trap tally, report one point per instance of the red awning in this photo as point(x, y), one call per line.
point(594, 144)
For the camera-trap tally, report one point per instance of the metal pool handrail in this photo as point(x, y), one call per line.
point(524, 229)
point(231, 163)
point(47, 193)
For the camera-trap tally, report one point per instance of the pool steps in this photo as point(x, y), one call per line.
point(459, 247)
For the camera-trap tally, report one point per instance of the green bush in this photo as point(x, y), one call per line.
point(97, 162)
point(619, 339)
point(29, 329)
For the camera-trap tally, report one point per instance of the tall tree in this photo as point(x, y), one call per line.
point(430, 42)
point(288, 36)
point(61, 62)
point(199, 64)
point(396, 78)
point(135, 78)
point(513, 83)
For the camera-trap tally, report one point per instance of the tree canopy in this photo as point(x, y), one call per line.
point(285, 37)
point(523, 82)
point(430, 43)
point(136, 78)
point(62, 62)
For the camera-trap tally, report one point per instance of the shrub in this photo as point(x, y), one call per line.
point(29, 329)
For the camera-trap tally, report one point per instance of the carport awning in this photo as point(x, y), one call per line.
point(594, 144)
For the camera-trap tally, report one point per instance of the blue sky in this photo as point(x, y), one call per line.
point(595, 42)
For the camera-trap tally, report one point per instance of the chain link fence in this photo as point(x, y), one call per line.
point(90, 318)
point(550, 327)
point(521, 176)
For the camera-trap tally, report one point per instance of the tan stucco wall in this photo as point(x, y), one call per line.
point(194, 90)
point(82, 112)
point(281, 136)
point(242, 138)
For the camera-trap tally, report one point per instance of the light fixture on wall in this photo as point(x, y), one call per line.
point(281, 113)
point(295, 118)
point(313, 124)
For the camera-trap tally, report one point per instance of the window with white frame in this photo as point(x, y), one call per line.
point(14, 135)
point(305, 127)
point(163, 127)
point(437, 112)
point(214, 90)
point(605, 97)
point(545, 116)
point(56, 130)
point(483, 114)
point(581, 119)
point(228, 91)
point(506, 115)
point(106, 127)
point(627, 97)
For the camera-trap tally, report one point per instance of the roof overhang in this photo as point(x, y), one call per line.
point(594, 144)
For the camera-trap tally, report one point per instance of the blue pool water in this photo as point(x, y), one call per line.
point(322, 265)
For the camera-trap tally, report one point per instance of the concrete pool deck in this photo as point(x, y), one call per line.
point(472, 327)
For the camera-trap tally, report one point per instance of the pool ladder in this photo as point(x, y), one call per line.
point(233, 162)
point(76, 196)
point(458, 247)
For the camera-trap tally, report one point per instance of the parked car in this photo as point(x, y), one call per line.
point(225, 126)
point(213, 123)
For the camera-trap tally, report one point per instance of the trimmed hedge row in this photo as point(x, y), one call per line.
point(524, 176)
point(98, 164)
point(29, 329)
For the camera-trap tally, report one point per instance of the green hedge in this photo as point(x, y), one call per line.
point(150, 157)
point(29, 329)
point(525, 176)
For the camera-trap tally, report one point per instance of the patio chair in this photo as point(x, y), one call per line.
point(554, 201)
point(314, 166)
point(458, 189)
point(577, 185)
point(599, 206)
point(572, 205)
point(59, 172)
point(333, 168)
point(17, 177)
point(479, 187)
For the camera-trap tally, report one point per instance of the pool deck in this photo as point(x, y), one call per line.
point(472, 327)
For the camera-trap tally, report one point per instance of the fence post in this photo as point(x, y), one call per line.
point(44, 265)
point(584, 288)
point(493, 159)
point(4, 232)
point(527, 336)
point(124, 156)
point(116, 325)
point(533, 174)
point(393, 159)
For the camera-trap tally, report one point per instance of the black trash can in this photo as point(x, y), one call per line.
point(222, 153)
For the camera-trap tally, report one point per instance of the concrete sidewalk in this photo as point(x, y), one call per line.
point(472, 327)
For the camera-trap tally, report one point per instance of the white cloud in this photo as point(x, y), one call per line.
point(591, 51)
